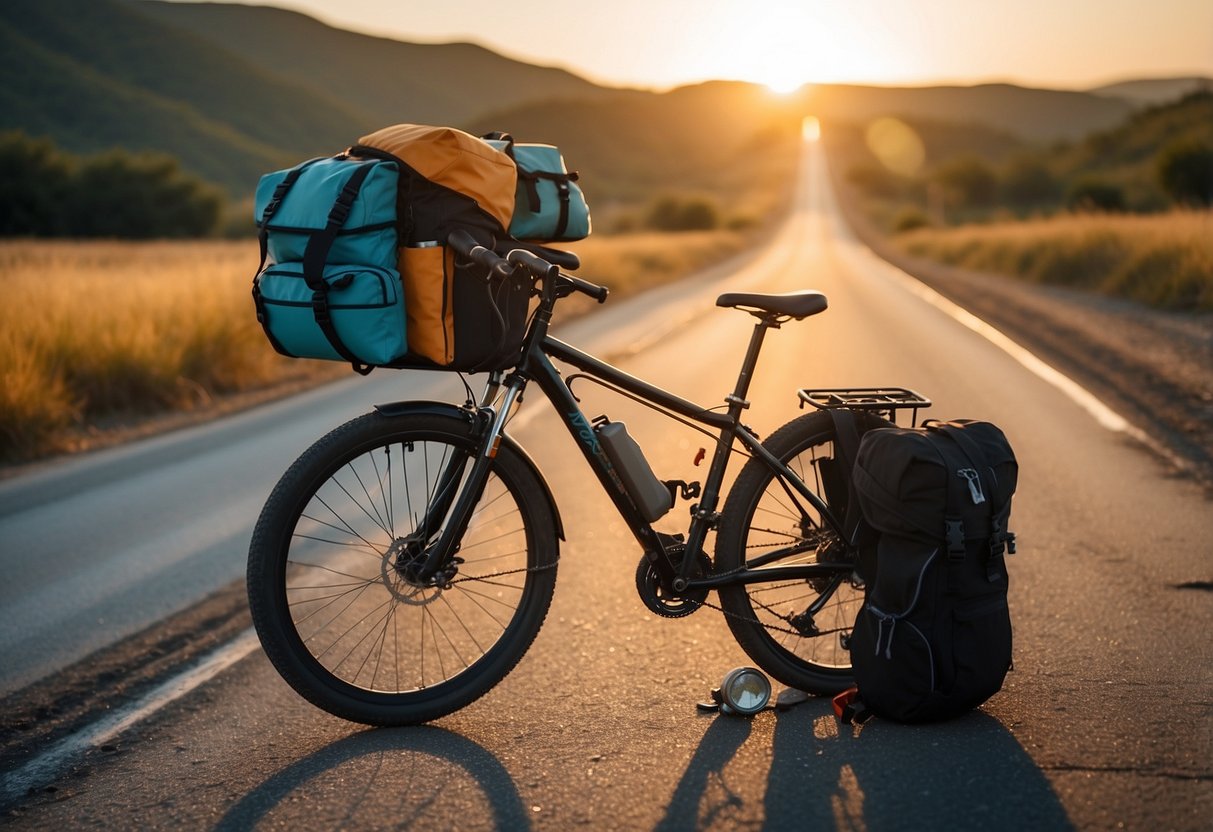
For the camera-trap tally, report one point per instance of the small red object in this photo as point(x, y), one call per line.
point(850, 708)
point(699, 457)
point(842, 700)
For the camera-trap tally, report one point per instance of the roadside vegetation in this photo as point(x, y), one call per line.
point(1126, 211)
point(97, 335)
point(1163, 260)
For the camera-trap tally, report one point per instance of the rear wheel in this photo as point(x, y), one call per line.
point(337, 607)
point(796, 630)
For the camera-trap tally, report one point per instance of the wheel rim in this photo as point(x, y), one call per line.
point(351, 603)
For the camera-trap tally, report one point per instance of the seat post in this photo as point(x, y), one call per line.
point(737, 401)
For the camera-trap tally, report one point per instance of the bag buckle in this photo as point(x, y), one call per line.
point(955, 539)
point(320, 307)
point(1002, 544)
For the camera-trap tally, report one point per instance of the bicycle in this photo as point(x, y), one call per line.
point(405, 562)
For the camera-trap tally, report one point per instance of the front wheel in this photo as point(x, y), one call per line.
point(335, 603)
point(794, 629)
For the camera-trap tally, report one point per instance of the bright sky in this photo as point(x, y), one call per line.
point(662, 43)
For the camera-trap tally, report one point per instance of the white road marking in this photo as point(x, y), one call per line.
point(48, 765)
point(1104, 416)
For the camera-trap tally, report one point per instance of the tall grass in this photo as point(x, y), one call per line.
point(1164, 260)
point(94, 334)
point(91, 332)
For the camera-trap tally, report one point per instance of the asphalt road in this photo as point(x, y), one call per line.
point(1105, 721)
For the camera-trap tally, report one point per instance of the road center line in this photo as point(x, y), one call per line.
point(48, 765)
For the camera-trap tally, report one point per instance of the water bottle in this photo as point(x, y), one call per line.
point(648, 493)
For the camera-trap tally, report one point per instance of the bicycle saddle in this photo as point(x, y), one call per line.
point(796, 305)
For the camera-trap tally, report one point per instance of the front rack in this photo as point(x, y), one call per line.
point(885, 401)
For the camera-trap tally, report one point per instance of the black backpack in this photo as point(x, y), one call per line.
point(933, 638)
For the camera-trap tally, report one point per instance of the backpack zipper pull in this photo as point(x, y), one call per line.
point(969, 475)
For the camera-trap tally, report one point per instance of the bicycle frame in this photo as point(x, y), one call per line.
point(536, 365)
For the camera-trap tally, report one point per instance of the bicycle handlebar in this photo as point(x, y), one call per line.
point(540, 268)
point(466, 247)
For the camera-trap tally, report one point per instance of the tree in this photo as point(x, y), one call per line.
point(967, 181)
point(1027, 181)
point(143, 197)
point(1091, 193)
point(1185, 171)
point(34, 181)
point(46, 192)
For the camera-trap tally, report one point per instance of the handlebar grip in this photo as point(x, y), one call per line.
point(598, 293)
point(537, 266)
point(466, 247)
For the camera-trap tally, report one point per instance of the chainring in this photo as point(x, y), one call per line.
point(659, 600)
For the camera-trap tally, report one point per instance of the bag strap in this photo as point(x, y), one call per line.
point(275, 202)
point(271, 208)
point(316, 255)
point(980, 488)
point(499, 136)
point(846, 436)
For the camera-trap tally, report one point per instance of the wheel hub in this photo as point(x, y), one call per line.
point(398, 571)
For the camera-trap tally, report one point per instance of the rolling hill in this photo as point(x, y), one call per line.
point(387, 80)
point(1153, 90)
point(93, 74)
point(235, 90)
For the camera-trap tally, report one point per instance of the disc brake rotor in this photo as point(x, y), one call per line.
point(391, 575)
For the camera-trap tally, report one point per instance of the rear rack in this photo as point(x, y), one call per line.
point(885, 401)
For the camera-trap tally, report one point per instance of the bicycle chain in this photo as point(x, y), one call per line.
point(551, 565)
point(704, 603)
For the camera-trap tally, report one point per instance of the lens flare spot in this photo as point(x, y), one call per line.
point(896, 145)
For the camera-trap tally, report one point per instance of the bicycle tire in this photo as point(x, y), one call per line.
point(323, 583)
point(760, 615)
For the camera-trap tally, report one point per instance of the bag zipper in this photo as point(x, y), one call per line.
point(381, 273)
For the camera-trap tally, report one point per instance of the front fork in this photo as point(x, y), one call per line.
point(457, 504)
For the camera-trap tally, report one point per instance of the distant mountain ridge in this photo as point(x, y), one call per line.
point(1153, 90)
point(237, 90)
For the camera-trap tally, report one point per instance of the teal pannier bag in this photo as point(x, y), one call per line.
point(308, 193)
point(365, 306)
point(327, 227)
point(549, 206)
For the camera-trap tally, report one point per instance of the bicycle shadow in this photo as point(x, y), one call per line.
point(413, 777)
point(967, 773)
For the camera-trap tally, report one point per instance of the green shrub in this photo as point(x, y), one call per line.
point(673, 213)
point(1026, 181)
point(1185, 171)
point(1091, 193)
point(967, 182)
point(44, 192)
point(910, 218)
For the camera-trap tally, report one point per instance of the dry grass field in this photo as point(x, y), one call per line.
point(97, 335)
point(1165, 260)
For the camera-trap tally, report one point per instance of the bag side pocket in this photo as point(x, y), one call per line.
point(429, 301)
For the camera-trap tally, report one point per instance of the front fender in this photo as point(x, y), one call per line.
point(429, 408)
